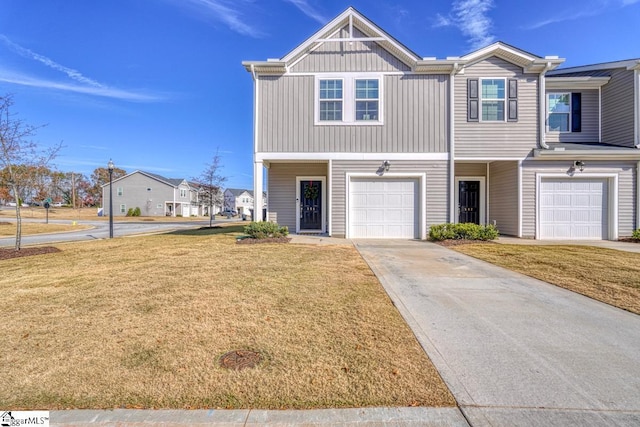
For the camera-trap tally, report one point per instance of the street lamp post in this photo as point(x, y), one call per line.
point(110, 167)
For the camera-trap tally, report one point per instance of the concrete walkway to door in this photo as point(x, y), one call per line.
point(514, 351)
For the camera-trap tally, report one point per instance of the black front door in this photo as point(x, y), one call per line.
point(469, 201)
point(310, 205)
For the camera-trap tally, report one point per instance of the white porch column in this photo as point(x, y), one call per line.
point(257, 190)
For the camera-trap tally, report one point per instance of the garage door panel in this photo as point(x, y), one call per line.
point(383, 208)
point(573, 208)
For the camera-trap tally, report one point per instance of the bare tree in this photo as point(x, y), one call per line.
point(210, 183)
point(18, 152)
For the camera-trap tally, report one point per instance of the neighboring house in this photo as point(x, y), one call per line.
point(362, 138)
point(242, 201)
point(203, 198)
point(155, 195)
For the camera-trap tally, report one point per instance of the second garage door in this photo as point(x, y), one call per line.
point(383, 208)
point(573, 208)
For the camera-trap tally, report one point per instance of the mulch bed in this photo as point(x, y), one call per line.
point(12, 253)
point(250, 241)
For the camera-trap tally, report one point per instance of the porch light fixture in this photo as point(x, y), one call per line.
point(386, 165)
point(579, 164)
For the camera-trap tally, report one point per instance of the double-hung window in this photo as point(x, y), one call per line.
point(349, 99)
point(559, 111)
point(367, 99)
point(493, 100)
point(331, 100)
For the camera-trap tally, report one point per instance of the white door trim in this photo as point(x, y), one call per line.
point(323, 201)
point(483, 200)
point(420, 199)
point(612, 200)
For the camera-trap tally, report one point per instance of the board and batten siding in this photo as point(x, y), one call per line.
point(503, 197)
point(281, 189)
point(590, 119)
point(626, 172)
point(435, 202)
point(356, 56)
point(414, 116)
point(497, 139)
point(618, 109)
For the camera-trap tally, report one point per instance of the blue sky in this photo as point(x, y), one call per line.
point(157, 85)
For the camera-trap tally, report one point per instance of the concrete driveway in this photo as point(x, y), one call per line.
point(514, 351)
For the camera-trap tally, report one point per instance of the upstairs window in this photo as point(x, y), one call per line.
point(331, 100)
point(367, 97)
point(349, 99)
point(120, 191)
point(559, 111)
point(493, 100)
point(183, 192)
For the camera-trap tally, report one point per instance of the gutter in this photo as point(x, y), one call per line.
point(543, 109)
point(452, 134)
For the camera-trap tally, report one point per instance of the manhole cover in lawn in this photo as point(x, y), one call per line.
point(240, 359)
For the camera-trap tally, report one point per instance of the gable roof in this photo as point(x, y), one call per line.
point(173, 182)
point(351, 19)
point(528, 61)
point(238, 191)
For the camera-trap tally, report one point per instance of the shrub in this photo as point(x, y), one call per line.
point(636, 234)
point(264, 230)
point(130, 212)
point(467, 231)
point(136, 211)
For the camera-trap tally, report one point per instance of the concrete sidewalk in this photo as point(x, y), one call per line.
point(513, 350)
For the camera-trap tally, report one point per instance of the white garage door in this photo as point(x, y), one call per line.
point(573, 208)
point(383, 208)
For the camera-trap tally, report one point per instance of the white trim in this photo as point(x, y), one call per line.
point(329, 198)
point(487, 191)
point(637, 196)
point(328, 75)
point(452, 143)
point(348, 99)
point(576, 83)
point(520, 213)
point(483, 200)
point(637, 107)
point(258, 171)
point(421, 199)
point(267, 156)
point(612, 201)
point(323, 201)
point(487, 159)
point(568, 113)
point(481, 99)
point(599, 114)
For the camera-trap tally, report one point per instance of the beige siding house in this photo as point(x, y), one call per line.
point(362, 138)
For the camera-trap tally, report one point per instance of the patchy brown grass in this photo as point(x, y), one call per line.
point(606, 275)
point(142, 322)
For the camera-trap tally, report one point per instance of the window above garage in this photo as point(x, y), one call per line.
point(348, 100)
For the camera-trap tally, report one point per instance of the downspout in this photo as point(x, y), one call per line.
point(543, 106)
point(452, 144)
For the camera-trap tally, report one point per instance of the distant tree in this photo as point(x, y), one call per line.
point(210, 183)
point(18, 155)
point(99, 177)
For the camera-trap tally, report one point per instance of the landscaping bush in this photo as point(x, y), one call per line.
point(130, 212)
point(636, 234)
point(136, 211)
point(467, 231)
point(265, 230)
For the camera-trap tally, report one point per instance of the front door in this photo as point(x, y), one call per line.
point(310, 205)
point(469, 201)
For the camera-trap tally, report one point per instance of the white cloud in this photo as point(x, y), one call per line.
point(24, 80)
point(308, 10)
point(593, 8)
point(227, 12)
point(471, 18)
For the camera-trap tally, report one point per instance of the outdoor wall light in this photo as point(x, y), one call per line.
point(579, 164)
point(386, 165)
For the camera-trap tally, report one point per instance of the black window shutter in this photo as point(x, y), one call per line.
point(576, 112)
point(513, 101)
point(472, 100)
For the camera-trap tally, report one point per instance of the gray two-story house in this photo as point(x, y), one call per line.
point(155, 195)
point(363, 138)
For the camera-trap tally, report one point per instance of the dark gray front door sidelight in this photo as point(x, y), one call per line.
point(469, 201)
point(310, 205)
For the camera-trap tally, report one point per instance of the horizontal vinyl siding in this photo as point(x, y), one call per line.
point(618, 109)
point(626, 190)
point(135, 194)
point(491, 139)
point(471, 169)
point(503, 197)
point(590, 120)
point(282, 189)
point(414, 114)
point(349, 56)
point(435, 203)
